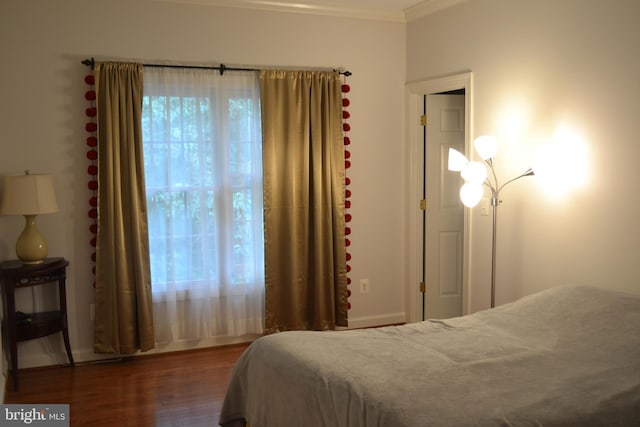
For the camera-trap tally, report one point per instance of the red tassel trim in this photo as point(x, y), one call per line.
point(346, 127)
point(92, 142)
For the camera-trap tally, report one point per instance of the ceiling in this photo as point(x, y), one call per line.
point(387, 10)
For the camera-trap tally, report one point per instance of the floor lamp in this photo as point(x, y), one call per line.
point(475, 176)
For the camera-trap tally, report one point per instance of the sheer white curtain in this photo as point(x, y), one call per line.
point(203, 171)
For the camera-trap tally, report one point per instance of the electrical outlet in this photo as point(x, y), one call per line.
point(364, 286)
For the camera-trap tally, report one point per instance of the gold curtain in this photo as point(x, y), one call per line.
point(304, 194)
point(123, 310)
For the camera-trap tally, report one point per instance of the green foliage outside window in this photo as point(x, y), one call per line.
point(199, 175)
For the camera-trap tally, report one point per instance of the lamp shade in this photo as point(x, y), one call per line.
point(470, 194)
point(474, 172)
point(28, 195)
point(486, 146)
point(457, 161)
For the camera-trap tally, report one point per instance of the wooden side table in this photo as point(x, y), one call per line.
point(15, 275)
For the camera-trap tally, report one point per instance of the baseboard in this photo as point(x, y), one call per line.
point(34, 359)
point(86, 355)
point(372, 321)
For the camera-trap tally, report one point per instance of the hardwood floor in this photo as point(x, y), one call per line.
point(174, 389)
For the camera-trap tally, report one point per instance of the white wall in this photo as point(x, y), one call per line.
point(559, 62)
point(42, 122)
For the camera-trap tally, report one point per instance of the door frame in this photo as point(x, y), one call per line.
point(414, 94)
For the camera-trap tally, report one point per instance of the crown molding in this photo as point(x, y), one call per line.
point(307, 7)
point(429, 7)
point(334, 8)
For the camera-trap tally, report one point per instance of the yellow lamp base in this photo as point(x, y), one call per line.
point(31, 247)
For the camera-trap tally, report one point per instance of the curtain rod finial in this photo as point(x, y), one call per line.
point(89, 62)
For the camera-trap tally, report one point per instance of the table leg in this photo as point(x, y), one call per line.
point(11, 332)
point(67, 346)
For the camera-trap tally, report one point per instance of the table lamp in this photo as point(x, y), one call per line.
point(29, 195)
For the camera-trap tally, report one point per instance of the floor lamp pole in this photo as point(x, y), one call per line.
point(495, 202)
point(494, 205)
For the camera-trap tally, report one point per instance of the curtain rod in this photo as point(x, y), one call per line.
point(222, 68)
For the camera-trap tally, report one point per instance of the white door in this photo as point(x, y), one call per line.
point(444, 223)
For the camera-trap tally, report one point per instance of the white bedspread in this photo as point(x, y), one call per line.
point(568, 356)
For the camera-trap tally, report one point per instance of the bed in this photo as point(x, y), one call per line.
point(567, 356)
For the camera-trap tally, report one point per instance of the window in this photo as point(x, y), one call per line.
point(201, 137)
